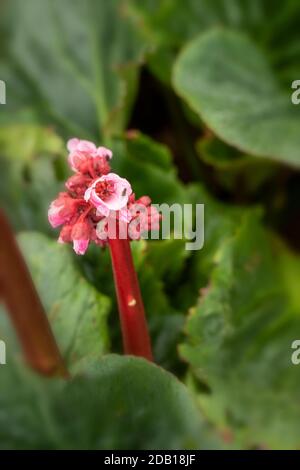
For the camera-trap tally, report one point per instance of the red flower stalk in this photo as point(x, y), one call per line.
point(97, 206)
point(136, 338)
point(25, 308)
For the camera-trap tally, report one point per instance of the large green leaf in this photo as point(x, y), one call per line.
point(169, 24)
point(117, 403)
point(227, 80)
point(73, 62)
point(77, 311)
point(239, 339)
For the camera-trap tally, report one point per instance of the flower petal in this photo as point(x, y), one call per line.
point(80, 246)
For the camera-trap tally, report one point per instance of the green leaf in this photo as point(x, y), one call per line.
point(199, 16)
point(156, 277)
point(167, 258)
point(239, 339)
point(169, 24)
point(22, 143)
point(184, 20)
point(34, 163)
point(226, 79)
point(233, 167)
point(221, 221)
point(148, 166)
point(106, 407)
point(77, 311)
point(80, 73)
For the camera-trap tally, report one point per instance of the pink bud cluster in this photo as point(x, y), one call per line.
point(95, 196)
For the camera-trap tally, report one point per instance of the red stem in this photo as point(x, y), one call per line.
point(131, 309)
point(25, 308)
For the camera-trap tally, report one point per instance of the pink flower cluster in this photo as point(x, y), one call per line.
point(97, 199)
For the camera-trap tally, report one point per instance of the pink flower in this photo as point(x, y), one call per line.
point(109, 193)
point(102, 229)
point(104, 153)
point(81, 234)
point(65, 234)
point(139, 213)
point(84, 156)
point(153, 221)
point(144, 217)
point(78, 145)
point(62, 209)
point(100, 241)
point(98, 205)
point(78, 184)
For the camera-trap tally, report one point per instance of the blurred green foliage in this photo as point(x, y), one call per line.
point(212, 83)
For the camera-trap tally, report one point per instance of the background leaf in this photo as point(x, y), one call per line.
point(149, 167)
point(77, 312)
point(104, 408)
point(169, 24)
point(80, 72)
point(239, 339)
point(227, 80)
point(32, 158)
